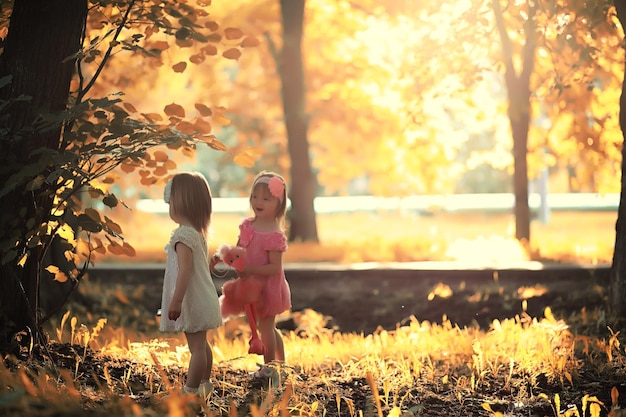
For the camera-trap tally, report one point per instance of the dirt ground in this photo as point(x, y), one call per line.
point(360, 300)
point(364, 299)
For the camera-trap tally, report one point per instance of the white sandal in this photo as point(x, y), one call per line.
point(205, 389)
point(263, 372)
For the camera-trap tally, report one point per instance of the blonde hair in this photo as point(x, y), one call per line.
point(191, 198)
point(282, 205)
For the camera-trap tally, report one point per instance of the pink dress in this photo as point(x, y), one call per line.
point(276, 295)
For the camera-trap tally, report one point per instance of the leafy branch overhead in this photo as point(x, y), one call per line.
point(100, 134)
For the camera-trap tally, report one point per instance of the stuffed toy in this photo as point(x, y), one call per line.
point(240, 295)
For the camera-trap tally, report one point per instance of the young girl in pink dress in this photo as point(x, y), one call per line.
point(265, 242)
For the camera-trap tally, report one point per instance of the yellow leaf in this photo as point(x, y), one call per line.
point(232, 53)
point(210, 50)
point(222, 120)
point(113, 226)
point(66, 232)
point(160, 45)
point(60, 276)
point(115, 249)
point(203, 109)
point(128, 168)
point(594, 409)
point(214, 143)
point(174, 110)
point(185, 127)
point(98, 188)
point(160, 156)
point(92, 213)
point(614, 396)
point(52, 269)
point(120, 296)
point(180, 67)
point(130, 108)
point(129, 250)
point(568, 376)
point(153, 117)
point(395, 412)
point(233, 33)
point(249, 42)
point(202, 126)
point(196, 58)
point(244, 159)
point(147, 181)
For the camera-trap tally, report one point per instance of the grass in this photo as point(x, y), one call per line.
point(544, 366)
point(521, 366)
point(585, 237)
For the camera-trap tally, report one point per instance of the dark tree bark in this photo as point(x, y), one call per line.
point(518, 87)
point(302, 221)
point(42, 37)
point(617, 297)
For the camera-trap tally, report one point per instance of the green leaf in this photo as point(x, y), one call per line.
point(6, 80)
point(9, 256)
point(34, 241)
point(110, 200)
point(87, 223)
point(35, 183)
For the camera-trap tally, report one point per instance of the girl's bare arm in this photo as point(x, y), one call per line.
point(184, 255)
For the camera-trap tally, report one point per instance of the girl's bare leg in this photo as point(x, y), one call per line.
point(199, 361)
point(209, 362)
point(280, 347)
point(268, 336)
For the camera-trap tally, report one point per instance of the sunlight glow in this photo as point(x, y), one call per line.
point(491, 250)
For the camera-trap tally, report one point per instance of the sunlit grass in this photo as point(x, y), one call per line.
point(584, 237)
point(519, 352)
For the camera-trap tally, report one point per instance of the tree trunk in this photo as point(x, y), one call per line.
point(518, 87)
point(519, 128)
point(42, 35)
point(302, 221)
point(617, 293)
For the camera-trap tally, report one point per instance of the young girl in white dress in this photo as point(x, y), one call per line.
point(190, 302)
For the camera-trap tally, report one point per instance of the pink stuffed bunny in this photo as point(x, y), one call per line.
point(240, 295)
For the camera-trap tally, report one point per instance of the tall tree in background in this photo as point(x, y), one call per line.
point(302, 221)
point(618, 268)
point(33, 84)
point(518, 88)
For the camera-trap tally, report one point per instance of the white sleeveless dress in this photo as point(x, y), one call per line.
point(200, 308)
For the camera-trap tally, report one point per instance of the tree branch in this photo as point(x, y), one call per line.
point(107, 54)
